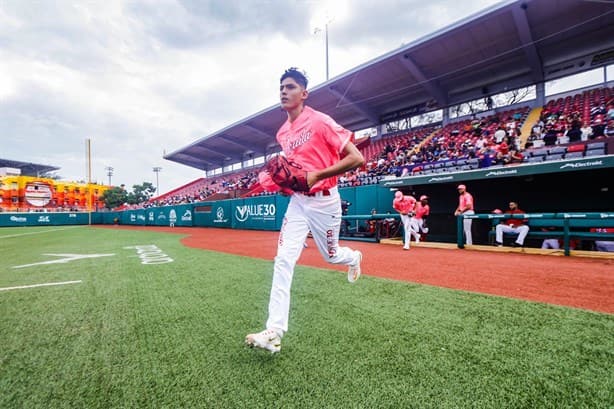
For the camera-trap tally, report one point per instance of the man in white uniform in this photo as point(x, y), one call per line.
point(316, 143)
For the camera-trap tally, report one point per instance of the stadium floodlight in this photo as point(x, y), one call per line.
point(157, 170)
point(328, 12)
point(109, 170)
point(316, 31)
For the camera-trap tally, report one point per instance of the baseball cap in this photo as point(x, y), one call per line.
point(398, 193)
point(461, 187)
point(424, 197)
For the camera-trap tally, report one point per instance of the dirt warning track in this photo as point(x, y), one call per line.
point(569, 281)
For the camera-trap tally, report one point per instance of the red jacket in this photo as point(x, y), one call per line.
point(514, 222)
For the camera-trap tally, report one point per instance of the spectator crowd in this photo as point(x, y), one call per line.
point(492, 140)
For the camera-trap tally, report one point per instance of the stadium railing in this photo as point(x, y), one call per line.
point(565, 225)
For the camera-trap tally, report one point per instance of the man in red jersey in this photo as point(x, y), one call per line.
point(405, 205)
point(423, 210)
point(324, 149)
point(514, 226)
point(465, 206)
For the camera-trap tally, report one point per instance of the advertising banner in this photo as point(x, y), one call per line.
point(43, 219)
point(257, 213)
point(501, 172)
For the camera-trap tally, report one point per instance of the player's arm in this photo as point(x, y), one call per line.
point(352, 159)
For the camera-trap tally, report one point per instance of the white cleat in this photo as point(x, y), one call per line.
point(354, 270)
point(405, 247)
point(267, 339)
point(418, 238)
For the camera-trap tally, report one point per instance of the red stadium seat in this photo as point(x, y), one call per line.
point(579, 147)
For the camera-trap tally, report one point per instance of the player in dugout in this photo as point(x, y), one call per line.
point(314, 144)
point(512, 226)
point(465, 206)
point(423, 210)
point(405, 206)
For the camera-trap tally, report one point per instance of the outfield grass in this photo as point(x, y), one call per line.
point(171, 336)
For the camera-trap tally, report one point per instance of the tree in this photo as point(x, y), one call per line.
point(514, 96)
point(518, 95)
point(116, 196)
point(141, 193)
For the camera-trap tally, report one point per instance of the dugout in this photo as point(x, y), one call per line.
point(584, 185)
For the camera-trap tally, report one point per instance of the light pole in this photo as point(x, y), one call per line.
point(327, 21)
point(326, 36)
point(157, 170)
point(316, 31)
point(109, 170)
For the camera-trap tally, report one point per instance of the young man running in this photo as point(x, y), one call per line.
point(324, 149)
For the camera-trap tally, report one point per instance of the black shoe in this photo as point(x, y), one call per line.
point(516, 245)
point(498, 244)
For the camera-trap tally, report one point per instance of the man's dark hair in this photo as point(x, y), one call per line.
point(296, 75)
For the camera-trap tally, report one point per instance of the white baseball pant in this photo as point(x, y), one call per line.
point(521, 231)
point(418, 225)
point(467, 228)
point(551, 244)
point(322, 216)
point(410, 229)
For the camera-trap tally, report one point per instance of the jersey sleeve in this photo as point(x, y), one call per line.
point(335, 134)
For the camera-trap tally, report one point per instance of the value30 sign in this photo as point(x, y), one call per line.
point(257, 212)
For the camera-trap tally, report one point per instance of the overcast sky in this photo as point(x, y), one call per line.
point(142, 77)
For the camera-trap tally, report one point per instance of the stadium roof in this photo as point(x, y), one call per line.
point(507, 46)
point(27, 168)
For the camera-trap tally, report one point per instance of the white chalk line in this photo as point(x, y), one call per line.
point(39, 285)
point(37, 232)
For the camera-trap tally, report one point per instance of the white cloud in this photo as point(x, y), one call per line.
point(138, 78)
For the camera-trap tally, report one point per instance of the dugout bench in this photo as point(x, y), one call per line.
point(351, 231)
point(564, 226)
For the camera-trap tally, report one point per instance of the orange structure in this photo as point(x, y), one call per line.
point(28, 193)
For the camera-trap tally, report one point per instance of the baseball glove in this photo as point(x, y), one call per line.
point(287, 174)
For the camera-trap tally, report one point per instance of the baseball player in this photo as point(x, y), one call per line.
point(318, 145)
point(404, 204)
point(465, 206)
point(422, 212)
point(515, 226)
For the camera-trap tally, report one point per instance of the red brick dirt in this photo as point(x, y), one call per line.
point(577, 282)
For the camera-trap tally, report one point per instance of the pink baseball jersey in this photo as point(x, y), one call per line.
point(404, 205)
point(314, 141)
point(422, 210)
point(465, 200)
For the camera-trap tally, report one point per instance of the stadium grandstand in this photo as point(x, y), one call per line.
point(432, 109)
point(478, 102)
point(14, 167)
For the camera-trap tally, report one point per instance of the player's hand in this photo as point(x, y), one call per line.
point(312, 179)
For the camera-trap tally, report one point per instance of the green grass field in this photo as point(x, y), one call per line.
point(132, 335)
